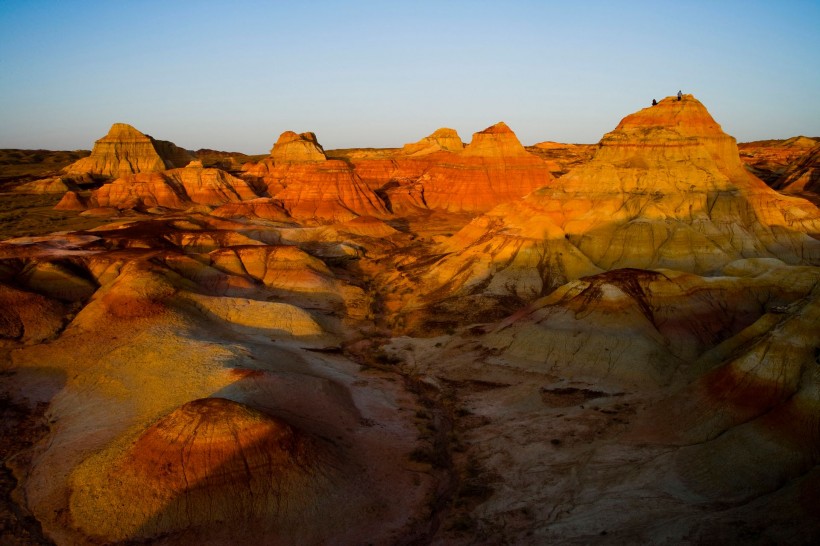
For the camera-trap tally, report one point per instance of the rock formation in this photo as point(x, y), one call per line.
point(291, 147)
point(175, 189)
point(666, 189)
point(311, 187)
point(492, 169)
point(442, 139)
point(124, 150)
point(211, 459)
point(56, 184)
point(769, 159)
point(803, 175)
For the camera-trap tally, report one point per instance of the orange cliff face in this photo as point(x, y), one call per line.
point(492, 169)
point(312, 187)
point(438, 173)
point(666, 189)
point(125, 150)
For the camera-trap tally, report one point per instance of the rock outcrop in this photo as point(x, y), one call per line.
point(312, 187)
point(769, 159)
point(803, 175)
point(494, 168)
point(292, 147)
point(125, 150)
point(442, 139)
point(174, 189)
point(211, 459)
point(665, 189)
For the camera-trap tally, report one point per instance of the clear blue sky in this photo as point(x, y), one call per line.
point(233, 75)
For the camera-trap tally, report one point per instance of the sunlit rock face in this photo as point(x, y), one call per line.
point(125, 150)
point(803, 175)
point(443, 139)
point(666, 188)
point(312, 187)
point(492, 169)
point(173, 189)
point(430, 345)
point(211, 459)
point(770, 159)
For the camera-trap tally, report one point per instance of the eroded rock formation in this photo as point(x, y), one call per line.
point(125, 150)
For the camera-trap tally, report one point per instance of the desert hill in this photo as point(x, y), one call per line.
point(435, 344)
point(125, 150)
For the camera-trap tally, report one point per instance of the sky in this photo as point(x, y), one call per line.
point(234, 75)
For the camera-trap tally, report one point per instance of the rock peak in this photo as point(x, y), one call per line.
point(497, 129)
point(293, 147)
point(687, 117)
point(125, 150)
point(495, 141)
point(441, 139)
point(124, 131)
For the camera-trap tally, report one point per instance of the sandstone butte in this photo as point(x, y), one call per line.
point(625, 355)
point(312, 187)
point(437, 174)
point(666, 188)
point(125, 150)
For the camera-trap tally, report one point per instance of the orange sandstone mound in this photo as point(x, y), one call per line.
point(210, 460)
point(311, 187)
point(125, 150)
point(441, 139)
point(174, 189)
point(492, 169)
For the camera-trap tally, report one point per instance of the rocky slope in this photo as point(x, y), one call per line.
point(346, 348)
point(803, 176)
point(769, 159)
point(665, 189)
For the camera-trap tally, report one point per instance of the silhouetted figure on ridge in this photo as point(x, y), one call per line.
point(680, 96)
point(654, 102)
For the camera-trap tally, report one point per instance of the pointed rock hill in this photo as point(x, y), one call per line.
point(665, 189)
point(492, 169)
point(312, 187)
point(291, 147)
point(125, 150)
point(438, 173)
point(442, 139)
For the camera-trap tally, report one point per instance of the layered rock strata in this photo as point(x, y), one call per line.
point(125, 150)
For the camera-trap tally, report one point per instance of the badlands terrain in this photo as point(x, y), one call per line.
point(445, 343)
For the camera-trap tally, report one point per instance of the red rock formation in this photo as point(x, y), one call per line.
point(311, 187)
point(441, 139)
point(263, 207)
point(291, 147)
point(494, 168)
point(124, 150)
point(769, 159)
point(803, 175)
point(72, 201)
point(176, 189)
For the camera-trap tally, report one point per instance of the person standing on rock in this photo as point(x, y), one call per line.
point(654, 102)
point(680, 96)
